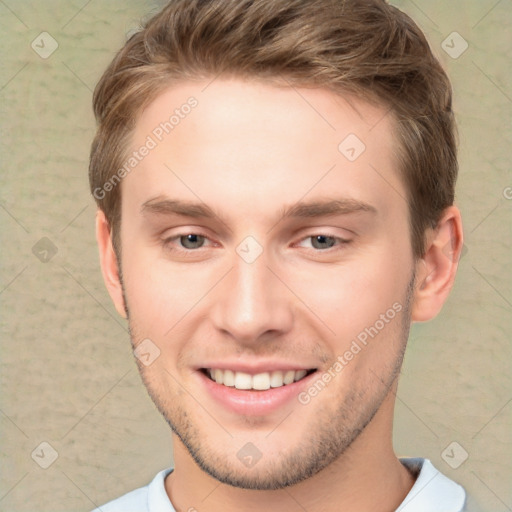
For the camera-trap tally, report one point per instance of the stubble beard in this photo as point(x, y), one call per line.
point(326, 439)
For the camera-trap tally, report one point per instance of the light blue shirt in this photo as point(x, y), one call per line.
point(432, 492)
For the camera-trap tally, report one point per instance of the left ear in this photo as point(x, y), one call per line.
point(435, 271)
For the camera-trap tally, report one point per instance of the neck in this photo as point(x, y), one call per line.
point(367, 477)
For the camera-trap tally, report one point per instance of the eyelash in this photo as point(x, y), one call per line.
point(169, 240)
point(340, 241)
point(166, 242)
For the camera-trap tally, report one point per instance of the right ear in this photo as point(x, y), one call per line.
point(109, 263)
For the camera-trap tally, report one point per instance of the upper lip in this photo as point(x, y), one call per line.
point(255, 368)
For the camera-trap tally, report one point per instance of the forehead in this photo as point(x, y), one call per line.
point(247, 145)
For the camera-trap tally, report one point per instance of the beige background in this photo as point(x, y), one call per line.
point(68, 376)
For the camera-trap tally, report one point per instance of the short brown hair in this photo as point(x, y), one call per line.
point(362, 47)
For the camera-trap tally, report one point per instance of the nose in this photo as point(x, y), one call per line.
point(252, 304)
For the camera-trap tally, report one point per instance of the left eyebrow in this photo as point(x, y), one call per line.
point(324, 208)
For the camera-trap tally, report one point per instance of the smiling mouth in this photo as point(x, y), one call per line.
point(258, 382)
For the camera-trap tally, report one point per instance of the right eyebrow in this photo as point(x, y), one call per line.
point(178, 207)
point(165, 206)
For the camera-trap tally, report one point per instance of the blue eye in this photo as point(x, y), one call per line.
point(192, 241)
point(322, 241)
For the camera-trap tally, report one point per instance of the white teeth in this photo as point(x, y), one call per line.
point(276, 379)
point(300, 375)
point(243, 380)
point(229, 378)
point(218, 376)
point(289, 376)
point(260, 381)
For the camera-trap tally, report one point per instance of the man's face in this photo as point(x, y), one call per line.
point(305, 259)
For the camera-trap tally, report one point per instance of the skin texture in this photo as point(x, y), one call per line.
point(248, 151)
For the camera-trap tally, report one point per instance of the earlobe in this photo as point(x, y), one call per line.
point(109, 263)
point(435, 271)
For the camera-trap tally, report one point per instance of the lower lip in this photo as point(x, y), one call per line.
point(254, 403)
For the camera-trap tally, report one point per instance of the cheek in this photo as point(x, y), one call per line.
point(351, 296)
point(160, 294)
